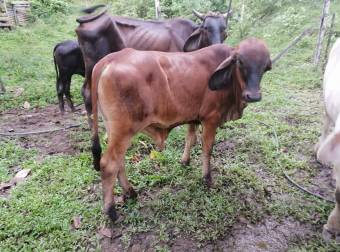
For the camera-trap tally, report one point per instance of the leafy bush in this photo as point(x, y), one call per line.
point(45, 8)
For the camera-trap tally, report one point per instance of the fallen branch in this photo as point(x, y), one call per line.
point(38, 132)
point(305, 190)
point(306, 32)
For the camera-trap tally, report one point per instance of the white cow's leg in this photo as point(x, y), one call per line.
point(325, 131)
point(333, 224)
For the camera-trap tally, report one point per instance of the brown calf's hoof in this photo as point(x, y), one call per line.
point(131, 194)
point(207, 181)
point(185, 162)
point(112, 213)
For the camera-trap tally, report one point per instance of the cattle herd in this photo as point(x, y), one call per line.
point(151, 76)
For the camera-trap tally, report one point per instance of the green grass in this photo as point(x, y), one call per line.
point(274, 135)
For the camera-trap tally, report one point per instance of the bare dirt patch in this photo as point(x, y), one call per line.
point(270, 235)
point(39, 119)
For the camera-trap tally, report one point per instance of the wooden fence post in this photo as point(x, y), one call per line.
point(322, 29)
point(157, 9)
point(228, 15)
point(2, 87)
point(330, 34)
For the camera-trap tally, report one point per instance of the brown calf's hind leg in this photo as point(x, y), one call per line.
point(112, 165)
point(208, 138)
point(190, 140)
point(129, 192)
point(333, 224)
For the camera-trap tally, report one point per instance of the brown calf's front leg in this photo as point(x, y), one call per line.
point(208, 139)
point(190, 140)
point(332, 228)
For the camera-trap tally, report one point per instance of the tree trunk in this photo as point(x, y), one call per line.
point(157, 9)
point(325, 11)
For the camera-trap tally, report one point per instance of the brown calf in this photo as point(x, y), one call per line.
point(154, 92)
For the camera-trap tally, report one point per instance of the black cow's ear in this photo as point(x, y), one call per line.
point(269, 66)
point(194, 41)
point(222, 76)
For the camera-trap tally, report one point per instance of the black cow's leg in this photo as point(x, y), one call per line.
point(86, 93)
point(332, 228)
point(67, 93)
point(60, 93)
point(208, 138)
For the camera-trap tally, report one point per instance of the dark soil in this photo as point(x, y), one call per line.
point(22, 120)
point(269, 235)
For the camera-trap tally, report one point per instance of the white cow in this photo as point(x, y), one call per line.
point(328, 148)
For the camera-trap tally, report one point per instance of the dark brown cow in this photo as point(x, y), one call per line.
point(154, 92)
point(102, 34)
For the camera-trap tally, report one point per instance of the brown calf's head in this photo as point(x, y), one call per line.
point(211, 31)
point(246, 65)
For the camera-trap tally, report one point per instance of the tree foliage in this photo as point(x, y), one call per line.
point(44, 8)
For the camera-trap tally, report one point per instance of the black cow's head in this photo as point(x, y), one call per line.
point(246, 65)
point(211, 31)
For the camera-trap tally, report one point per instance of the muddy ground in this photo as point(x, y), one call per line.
point(267, 235)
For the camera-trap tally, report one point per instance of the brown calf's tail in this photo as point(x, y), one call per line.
point(96, 148)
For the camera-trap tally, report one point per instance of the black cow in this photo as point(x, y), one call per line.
point(101, 34)
point(68, 60)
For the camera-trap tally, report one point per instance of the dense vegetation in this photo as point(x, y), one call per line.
point(250, 155)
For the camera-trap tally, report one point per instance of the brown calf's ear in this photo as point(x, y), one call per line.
point(194, 41)
point(223, 73)
point(329, 151)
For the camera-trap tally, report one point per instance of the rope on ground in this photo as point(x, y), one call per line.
point(78, 105)
point(305, 190)
point(289, 178)
point(39, 131)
